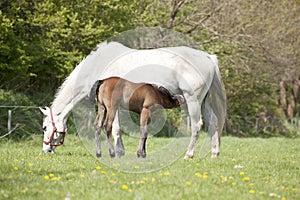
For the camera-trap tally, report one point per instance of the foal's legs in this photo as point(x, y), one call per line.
point(120, 150)
point(196, 123)
point(144, 118)
point(98, 124)
point(110, 118)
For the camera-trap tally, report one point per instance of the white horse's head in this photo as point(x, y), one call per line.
point(54, 130)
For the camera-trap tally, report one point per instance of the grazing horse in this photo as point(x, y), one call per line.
point(182, 70)
point(141, 98)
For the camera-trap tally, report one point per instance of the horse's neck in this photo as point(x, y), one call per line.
point(68, 96)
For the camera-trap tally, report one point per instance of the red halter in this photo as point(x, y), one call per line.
point(63, 133)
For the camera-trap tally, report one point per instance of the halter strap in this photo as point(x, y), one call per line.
point(63, 133)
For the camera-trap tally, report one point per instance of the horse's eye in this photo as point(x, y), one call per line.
point(45, 128)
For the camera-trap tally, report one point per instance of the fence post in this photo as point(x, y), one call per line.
point(169, 128)
point(9, 121)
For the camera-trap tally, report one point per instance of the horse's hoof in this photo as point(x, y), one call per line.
point(214, 155)
point(188, 157)
point(119, 154)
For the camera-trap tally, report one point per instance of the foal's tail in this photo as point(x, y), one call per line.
point(94, 91)
point(216, 98)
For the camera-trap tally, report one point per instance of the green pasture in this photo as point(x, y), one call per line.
point(251, 168)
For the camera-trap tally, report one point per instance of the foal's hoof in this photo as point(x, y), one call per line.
point(141, 154)
point(98, 155)
point(112, 155)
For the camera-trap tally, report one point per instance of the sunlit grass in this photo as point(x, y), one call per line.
point(246, 169)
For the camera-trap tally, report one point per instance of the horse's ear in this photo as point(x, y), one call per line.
point(45, 110)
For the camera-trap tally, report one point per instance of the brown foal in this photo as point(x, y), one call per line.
point(142, 98)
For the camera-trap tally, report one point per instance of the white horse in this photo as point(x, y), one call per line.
point(182, 70)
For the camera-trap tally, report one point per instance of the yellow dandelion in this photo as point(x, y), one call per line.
point(16, 168)
point(113, 174)
point(51, 175)
point(153, 179)
point(233, 183)
point(98, 167)
point(124, 187)
point(24, 191)
point(46, 177)
point(251, 191)
point(81, 175)
point(261, 192)
point(55, 178)
point(199, 175)
point(283, 198)
point(30, 164)
point(246, 178)
point(166, 173)
point(136, 167)
point(251, 184)
point(103, 172)
point(242, 173)
point(145, 179)
point(188, 183)
point(223, 179)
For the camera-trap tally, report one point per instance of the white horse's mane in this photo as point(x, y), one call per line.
point(78, 67)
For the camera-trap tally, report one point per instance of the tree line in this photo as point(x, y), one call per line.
point(257, 44)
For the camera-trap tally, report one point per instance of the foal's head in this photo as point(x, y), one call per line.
point(174, 99)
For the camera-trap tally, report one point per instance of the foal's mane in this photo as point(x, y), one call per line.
point(163, 90)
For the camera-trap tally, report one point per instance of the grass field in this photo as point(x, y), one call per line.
point(251, 168)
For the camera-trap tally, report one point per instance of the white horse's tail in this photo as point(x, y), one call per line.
point(215, 100)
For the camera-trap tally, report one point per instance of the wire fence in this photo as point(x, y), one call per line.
point(22, 121)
